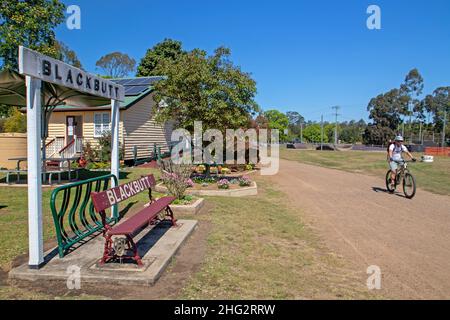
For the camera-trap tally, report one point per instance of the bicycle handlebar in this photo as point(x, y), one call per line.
point(404, 161)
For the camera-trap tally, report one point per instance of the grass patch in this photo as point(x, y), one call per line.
point(433, 177)
point(259, 248)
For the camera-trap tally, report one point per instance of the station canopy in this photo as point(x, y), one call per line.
point(13, 92)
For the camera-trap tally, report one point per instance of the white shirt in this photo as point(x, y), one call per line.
point(397, 152)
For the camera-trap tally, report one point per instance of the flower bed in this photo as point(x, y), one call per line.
point(230, 186)
point(203, 182)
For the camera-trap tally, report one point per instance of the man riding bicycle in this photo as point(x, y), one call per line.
point(395, 156)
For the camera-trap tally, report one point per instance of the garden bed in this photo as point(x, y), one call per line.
point(211, 190)
point(191, 207)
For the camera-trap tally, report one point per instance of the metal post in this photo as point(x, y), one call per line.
point(115, 163)
point(321, 133)
point(336, 125)
point(420, 134)
point(35, 240)
point(301, 132)
point(444, 128)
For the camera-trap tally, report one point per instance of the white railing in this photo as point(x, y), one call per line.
point(54, 146)
point(74, 148)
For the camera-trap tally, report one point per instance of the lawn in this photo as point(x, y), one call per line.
point(433, 177)
point(257, 247)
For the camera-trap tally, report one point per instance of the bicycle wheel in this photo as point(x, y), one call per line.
point(388, 182)
point(409, 186)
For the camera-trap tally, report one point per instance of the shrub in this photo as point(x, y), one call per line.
point(17, 122)
point(225, 171)
point(186, 200)
point(213, 170)
point(245, 181)
point(89, 153)
point(234, 181)
point(189, 183)
point(223, 184)
point(104, 142)
point(175, 177)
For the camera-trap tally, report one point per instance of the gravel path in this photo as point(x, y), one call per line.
point(408, 239)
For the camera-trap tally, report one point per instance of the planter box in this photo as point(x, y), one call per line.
point(188, 209)
point(241, 192)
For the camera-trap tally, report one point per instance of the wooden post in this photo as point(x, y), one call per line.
point(35, 239)
point(115, 162)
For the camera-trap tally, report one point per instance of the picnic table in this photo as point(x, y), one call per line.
point(60, 161)
point(45, 170)
point(16, 171)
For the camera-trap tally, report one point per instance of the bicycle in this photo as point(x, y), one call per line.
point(403, 176)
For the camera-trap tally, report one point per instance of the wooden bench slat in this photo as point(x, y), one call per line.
point(142, 218)
point(106, 199)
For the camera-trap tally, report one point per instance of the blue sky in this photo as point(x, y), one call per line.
point(306, 56)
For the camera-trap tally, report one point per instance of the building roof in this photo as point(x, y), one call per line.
point(135, 90)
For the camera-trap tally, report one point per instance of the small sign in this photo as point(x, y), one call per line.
point(37, 65)
point(105, 199)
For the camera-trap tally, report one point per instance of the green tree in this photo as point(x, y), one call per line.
point(17, 122)
point(67, 55)
point(438, 105)
point(412, 88)
point(385, 112)
point(205, 88)
point(116, 65)
point(5, 111)
point(279, 121)
point(166, 50)
point(351, 132)
point(312, 133)
point(29, 23)
point(296, 120)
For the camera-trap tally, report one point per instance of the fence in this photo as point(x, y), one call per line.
point(437, 151)
point(12, 145)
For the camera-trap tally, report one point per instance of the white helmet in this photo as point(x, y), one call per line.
point(399, 138)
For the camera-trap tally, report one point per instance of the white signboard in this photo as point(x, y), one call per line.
point(37, 65)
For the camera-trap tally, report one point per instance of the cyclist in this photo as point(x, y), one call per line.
point(395, 156)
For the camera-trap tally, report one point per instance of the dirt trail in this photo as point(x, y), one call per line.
point(408, 239)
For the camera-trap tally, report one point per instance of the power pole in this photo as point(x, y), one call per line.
point(336, 124)
point(321, 133)
point(420, 133)
point(444, 128)
point(301, 132)
point(410, 124)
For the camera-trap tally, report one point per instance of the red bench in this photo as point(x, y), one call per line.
point(119, 248)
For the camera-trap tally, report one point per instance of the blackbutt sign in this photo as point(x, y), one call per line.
point(37, 65)
point(106, 199)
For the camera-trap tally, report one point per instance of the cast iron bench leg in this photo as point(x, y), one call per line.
point(136, 257)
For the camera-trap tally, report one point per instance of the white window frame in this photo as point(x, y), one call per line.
point(103, 126)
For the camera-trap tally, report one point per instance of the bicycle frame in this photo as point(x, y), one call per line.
point(400, 173)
